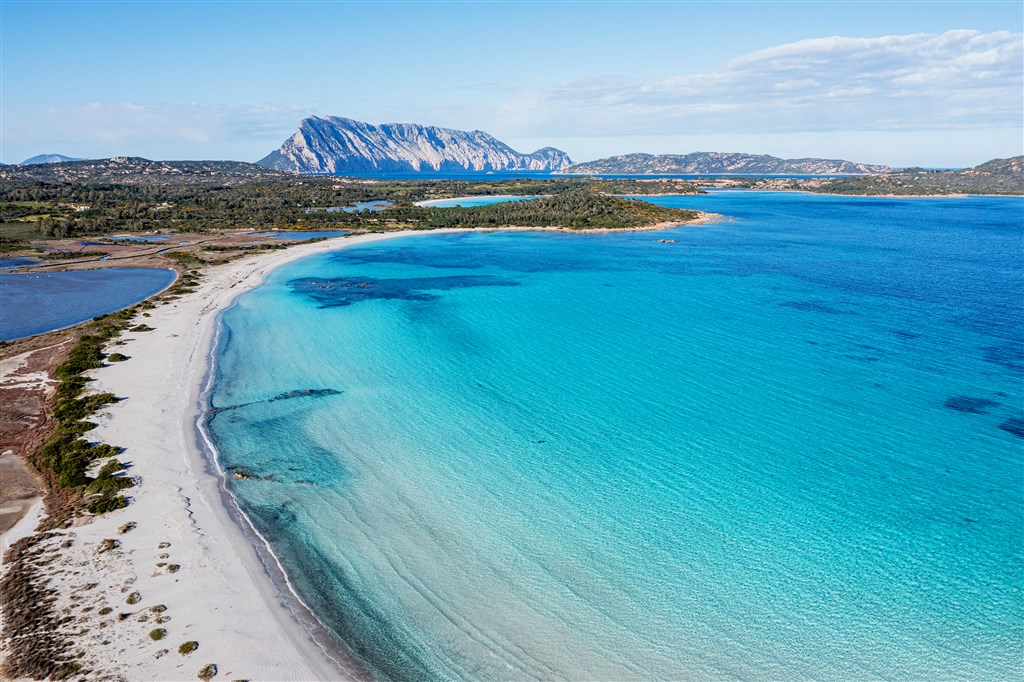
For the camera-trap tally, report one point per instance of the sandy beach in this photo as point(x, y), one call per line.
point(221, 595)
point(181, 557)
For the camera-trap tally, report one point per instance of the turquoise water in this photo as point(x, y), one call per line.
point(467, 202)
point(783, 447)
point(38, 302)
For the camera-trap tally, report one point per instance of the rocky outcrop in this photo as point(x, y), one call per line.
point(336, 145)
point(714, 163)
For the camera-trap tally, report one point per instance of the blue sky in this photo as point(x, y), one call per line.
point(903, 83)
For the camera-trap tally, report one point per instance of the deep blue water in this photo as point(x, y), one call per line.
point(786, 446)
point(38, 302)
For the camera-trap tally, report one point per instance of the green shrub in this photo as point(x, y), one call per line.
point(108, 487)
point(109, 503)
point(110, 468)
point(208, 672)
point(188, 647)
point(157, 634)
point(117, 357)
point(133, 598)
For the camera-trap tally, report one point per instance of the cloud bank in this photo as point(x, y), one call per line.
point(958, 79)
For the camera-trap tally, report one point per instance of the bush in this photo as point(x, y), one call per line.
point(133, 598)
point(109, 503)
point(208, 672)
point(157, 634)
point(110, 468)
point(187, 648)
point(117, 357)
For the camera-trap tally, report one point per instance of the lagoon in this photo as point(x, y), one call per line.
point(38, 302)
point(467, 202)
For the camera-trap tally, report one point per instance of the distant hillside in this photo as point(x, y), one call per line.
point(133, 170)
point(998, 176)
point(1013, 166)
point(715, 163)
point(49, 158)
point(341, 145)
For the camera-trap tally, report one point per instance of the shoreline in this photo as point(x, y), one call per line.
point(228, 593)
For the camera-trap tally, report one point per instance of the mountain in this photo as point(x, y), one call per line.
point(713, 163)
point(340, 145)
point(134, 170)
point(49, 158)
point(998, 176)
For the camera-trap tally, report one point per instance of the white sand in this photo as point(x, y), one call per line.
point(222, 596)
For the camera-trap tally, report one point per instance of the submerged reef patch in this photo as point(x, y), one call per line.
point(1014, 425)
point(344, 291)
point(966, 403)
point(816, 307)
point(287, 395)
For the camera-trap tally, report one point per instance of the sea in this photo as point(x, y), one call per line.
point(784, 445)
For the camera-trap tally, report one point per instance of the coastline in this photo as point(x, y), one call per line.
point(226, 594)
point(221, 596)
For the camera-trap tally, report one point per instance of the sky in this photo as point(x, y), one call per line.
point(935, 84)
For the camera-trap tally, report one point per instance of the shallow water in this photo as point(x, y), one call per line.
point(786, 446)
point(38, 302)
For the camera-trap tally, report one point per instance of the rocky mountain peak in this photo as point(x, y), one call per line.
point(335, 145)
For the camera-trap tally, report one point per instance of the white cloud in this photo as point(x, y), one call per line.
point(950, 84)
point(958, 79)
